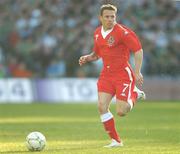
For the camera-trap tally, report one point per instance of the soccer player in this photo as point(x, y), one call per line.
point(113, 43)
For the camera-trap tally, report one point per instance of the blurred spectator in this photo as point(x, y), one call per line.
point(56, 69)
point(21, 71)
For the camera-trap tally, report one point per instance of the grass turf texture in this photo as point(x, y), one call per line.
point(150, 128)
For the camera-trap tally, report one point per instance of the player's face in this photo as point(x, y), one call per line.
point(108, 19)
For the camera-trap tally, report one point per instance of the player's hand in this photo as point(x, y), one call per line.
point(139, 79)
point(83, 60)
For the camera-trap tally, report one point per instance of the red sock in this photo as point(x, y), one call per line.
point(109, 126)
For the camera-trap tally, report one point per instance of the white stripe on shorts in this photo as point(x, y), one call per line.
point(129, 93)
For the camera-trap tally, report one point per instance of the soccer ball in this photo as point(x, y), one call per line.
point(35, 141)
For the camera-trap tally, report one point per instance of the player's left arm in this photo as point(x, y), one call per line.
point(138, 59)
point(132, 42)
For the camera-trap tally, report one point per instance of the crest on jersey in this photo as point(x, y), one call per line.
point(110, 41)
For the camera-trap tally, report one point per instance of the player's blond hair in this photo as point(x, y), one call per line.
point(107, 7)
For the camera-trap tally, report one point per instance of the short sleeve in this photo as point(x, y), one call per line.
point(131, 40)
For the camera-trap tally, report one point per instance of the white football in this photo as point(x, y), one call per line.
point(35, 141)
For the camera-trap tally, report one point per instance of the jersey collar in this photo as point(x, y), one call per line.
point(105, 33)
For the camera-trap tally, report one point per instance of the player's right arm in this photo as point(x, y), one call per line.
point(88, 58)
point(94, 55)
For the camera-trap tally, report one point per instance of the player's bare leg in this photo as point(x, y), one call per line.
point(104, 100)
point(107, 119)
point(122, 107)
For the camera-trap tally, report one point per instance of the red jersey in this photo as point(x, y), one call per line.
point(115, 48)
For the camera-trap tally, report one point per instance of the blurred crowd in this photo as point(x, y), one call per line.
point(45, 38)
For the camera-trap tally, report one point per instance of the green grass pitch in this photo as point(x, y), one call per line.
point(150, 128)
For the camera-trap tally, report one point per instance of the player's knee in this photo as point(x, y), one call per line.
point(123, 109)
point(121, 113)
